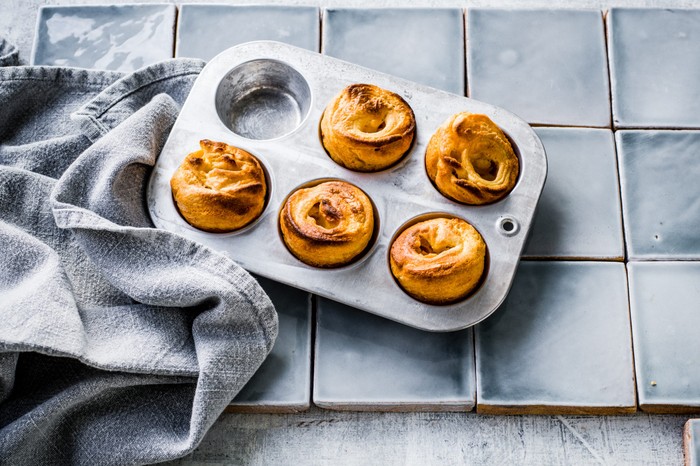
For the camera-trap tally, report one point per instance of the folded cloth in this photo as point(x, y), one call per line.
point(119, 343)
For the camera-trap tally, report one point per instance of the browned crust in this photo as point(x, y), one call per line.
point(352, 131)
point(327, 225)
point(470, 160)
point(219, 188)
point(553, 410)
point(438, 261)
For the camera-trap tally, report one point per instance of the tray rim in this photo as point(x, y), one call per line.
point(297, 58)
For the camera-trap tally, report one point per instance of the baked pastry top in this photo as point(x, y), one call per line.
point(219, 188)
point(438, 261)
point(327, 225)
point(470, 160)
point(367, 128)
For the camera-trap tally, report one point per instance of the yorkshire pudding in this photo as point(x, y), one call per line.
point(470, 160)
point(367, 128)
point(438, 261)
point(327, 225)
point(219, 188)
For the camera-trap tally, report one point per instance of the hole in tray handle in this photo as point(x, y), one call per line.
point(508, 226)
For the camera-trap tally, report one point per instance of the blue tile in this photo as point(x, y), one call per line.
point(118, 37)
point(691, 442)
point(283, 382)
point(655, 67)
point(659, 173)
point(206, 30)
point(547, 66)
point(421, 45)
point(559, 344)
point(578, 215)
point(364, 362)
point(665, 308)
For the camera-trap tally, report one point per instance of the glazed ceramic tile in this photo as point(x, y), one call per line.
point(364, 362)
point(121, 38)
point(421, 45)
point(559, 344)
point(206, 30)
point(665, 308)
point(659, 173)
point(283, 382)
point(655, 67)
point(578, 215)
point(546, 66)
point(691, 442)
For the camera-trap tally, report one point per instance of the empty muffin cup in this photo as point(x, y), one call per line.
point(263, 99)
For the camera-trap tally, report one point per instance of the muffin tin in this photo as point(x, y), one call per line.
point(267, 98)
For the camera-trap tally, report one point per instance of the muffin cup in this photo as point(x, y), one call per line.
point(263, 99)
point(358, 258)
point(429, 216)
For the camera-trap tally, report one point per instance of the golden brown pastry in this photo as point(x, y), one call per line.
point(327, 225)
point(367, 128)
point(219, 188)
point(438, 261)
point(470, 160)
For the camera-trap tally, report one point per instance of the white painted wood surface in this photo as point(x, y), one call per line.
point(326, 437)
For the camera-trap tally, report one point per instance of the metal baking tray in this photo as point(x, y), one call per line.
point(267, 98)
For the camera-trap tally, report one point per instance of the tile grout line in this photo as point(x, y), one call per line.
point(176, 29)
point(313, 303)
point(625, 260)
point(465, 84)
point(631, 327)
point(554, 125)
point(656, 128)
point(312, 297)
point(319, 43)
point(476, 371)
point(608, 65)
point(608, 55)
point(467, 81)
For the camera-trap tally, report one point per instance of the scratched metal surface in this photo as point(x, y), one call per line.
point(326, 437)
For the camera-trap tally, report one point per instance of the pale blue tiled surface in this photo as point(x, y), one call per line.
point(578, 215)
point(655, 67)
point(692, 442)
point(546, 66)
point(659, 173)
point(283, 382)
point(119, 38)
point(363, 361)
point(665, 308)
point(206, 30)
point(560, 340)
point(421, 45)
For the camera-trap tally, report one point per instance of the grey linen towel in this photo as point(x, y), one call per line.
point(119, 343)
